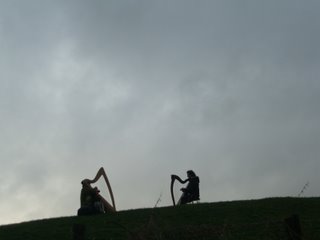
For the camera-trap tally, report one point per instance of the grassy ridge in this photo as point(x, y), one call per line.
point(251, 219)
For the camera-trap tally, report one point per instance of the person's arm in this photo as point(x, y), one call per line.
point(186, 189)
point(193, 185)
point(179, 179)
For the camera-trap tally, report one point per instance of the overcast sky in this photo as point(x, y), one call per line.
point(148, 88)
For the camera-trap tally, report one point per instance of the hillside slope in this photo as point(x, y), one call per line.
point(250, 219)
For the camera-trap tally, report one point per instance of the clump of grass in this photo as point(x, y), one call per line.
point(303, 189)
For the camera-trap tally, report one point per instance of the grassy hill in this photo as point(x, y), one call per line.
point(251, 219)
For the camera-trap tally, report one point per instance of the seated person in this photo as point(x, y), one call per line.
point(191, 192)
point(90, 200)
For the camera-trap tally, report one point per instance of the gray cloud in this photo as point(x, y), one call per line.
point(147, 89)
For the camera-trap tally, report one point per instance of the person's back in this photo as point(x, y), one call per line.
point(193, 188)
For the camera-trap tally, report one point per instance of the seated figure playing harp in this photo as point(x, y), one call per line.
point(91, 202)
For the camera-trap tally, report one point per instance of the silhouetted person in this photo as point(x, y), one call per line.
point(90, 200)
point(191, 192)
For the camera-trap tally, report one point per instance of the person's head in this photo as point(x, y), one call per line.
point(85, 182)
point(191, 173)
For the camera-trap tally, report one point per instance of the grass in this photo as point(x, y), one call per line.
point(250, 219)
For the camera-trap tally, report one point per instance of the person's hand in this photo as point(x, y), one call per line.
point(96, 189)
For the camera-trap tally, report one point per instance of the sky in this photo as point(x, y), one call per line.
point(148, 88)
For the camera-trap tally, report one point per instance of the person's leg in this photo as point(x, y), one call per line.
point(98, 206)
point(84, 211)
point(183, 199)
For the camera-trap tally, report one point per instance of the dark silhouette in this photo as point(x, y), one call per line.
point(191, 192)
point(91, 201)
